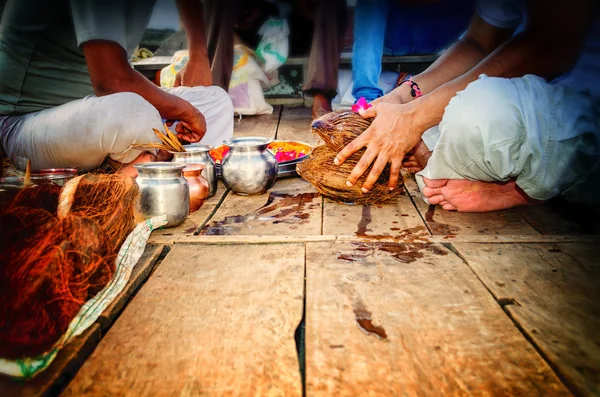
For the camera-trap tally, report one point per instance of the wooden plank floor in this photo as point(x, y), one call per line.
point(289, 293)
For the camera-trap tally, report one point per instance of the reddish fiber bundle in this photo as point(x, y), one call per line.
point(45, 279)
point(50, 265)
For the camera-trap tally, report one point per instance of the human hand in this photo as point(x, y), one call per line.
point(192, 126)
point(195, 73)
point(392, 134)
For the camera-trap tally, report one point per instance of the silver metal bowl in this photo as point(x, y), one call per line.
point(285, 169)
point(58, 176)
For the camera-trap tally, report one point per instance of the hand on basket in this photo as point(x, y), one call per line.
point(391, 135)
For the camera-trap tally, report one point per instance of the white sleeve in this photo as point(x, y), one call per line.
point(507, 14)
point(100, 20)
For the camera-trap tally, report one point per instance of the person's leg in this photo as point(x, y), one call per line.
point(324, 61)
point(215, 104)
point(82, 133)
point(508, 142)
point(220, 17)
point(370, 19)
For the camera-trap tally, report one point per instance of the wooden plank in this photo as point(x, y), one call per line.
point(263, 125)
point(273, 239)
point(209, 321)
point(441, 332)
point(560, 217)
point(552, 291)
point(193, 222)
point(291, 207)
point(61, 371)
point(399, 219)
point(295, 126)
point(139, 274)
point(445, 222)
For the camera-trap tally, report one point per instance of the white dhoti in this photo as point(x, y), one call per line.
point(544, 136)
point(82, 133)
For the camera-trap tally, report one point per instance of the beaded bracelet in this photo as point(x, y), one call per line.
point(415, 91)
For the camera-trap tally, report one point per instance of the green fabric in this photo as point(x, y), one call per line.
point(41, 62)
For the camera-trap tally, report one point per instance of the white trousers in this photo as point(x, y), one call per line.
point(82, 133)
point(544, 136)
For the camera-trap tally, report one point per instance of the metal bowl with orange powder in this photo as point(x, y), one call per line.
point(287, 154)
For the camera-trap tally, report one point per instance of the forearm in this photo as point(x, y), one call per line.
point(191, 14)
point(169, 106)
point(523, 54)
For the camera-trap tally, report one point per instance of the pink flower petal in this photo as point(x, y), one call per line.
point(361, 104)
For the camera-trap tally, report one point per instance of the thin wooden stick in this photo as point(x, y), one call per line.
point(27, 178)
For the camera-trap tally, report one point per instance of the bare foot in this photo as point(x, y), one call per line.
point(321, 105)
point(128, 169)
point(416, 160)
point(475, 196)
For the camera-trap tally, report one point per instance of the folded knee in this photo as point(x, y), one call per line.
point(485, 106)
point(127, 118)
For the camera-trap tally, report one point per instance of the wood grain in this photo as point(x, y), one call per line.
point(291, 207)
point(52, 380)
point(193, 222)
point(442, 222)
point(552, 291)
point(210, 321)
point(393, 220)
point(295, 126)
point(444, 333)
point(264, 125)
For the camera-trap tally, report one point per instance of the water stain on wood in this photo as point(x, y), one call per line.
point(403, 252)
point(365, 220)
point(365, 322)
point(280, 208)
point(436, 227)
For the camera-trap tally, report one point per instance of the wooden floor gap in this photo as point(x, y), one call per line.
point(414, 203)
point(300, 334)
point(278, 121)
point(504, 308)
point(213, 212)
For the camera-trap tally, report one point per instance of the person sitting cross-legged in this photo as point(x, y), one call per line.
point(501, 119)
point(70, 98)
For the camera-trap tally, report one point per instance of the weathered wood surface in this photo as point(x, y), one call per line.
point(264, 125)
point(445, 222)
point(295, 126)
point(193, 222)
point(299, 238)
point(210, 321)
point(291, 207)
point(444, 333)
point(390, 220)
point(55, 378)
point(561, 217)
point(139, 274)
point(552, 291)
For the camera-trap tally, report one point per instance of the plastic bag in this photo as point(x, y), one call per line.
point(247, 80)
point(273, 48)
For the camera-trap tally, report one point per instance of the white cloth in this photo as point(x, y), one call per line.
point(546, 136)
point(80, 134)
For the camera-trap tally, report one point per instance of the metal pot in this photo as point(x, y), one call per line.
point(198, 185)
point(249, 168)
point(163, 190)
point(58, 176)
point(199, 154)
